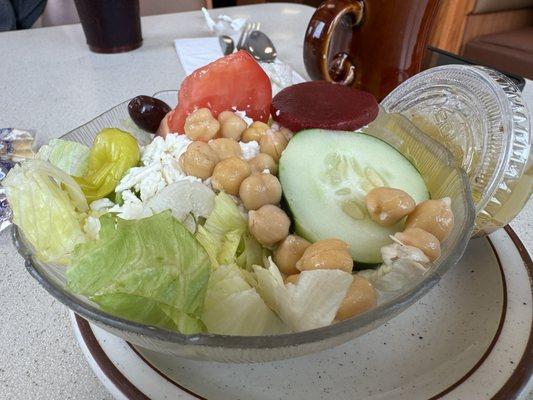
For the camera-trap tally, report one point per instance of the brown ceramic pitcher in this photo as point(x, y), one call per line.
point(372, 45)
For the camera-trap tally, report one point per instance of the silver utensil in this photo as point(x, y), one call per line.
point(260, 46)
point(248, 28)
point(226, 44)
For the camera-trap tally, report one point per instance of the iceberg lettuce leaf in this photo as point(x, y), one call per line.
point(71, 157)
point(252, 252)
point(233, 307)
point(49, 207)
point(403, 265)
point(226, 238)
point(150, 270)
point(310, 303)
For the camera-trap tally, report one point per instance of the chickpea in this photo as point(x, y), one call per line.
point(433, 216)
point(199, 160)
point(229, 173)
point(387, 206)
point(225, 147)
point(231, 126)
point(224, 116)
point(269, 224)
point(422, 240)
point(289, 252)
point(263, 161)
point(286, 132)
point(326, 254)
point(360, 297)
point(258, 190)
point(196, 145)
point(291, 279)
point(273, 144)
point(163, 129)
point(255, 131)
point(201, 125)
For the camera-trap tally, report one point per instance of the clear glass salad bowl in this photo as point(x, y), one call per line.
point(442, 176)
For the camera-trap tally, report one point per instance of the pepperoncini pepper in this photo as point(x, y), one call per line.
point(112, 154)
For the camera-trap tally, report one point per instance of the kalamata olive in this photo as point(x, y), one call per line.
point(147, 112)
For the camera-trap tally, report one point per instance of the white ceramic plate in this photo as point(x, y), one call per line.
point(469, 338)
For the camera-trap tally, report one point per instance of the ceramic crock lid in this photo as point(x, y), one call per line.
point(480, 116)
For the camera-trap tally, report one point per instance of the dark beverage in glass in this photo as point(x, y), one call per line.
point(110, 26)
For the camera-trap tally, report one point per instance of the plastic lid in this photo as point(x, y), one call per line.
point(480, 116)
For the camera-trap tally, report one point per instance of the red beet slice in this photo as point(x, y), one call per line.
point(323, 105)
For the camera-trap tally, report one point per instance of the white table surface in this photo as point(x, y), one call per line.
point(51, 82)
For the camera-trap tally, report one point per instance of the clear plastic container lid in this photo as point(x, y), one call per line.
point(480, 116)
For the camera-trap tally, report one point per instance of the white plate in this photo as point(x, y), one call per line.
point(469, 338)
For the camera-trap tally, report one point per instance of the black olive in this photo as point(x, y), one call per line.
point(147, 112)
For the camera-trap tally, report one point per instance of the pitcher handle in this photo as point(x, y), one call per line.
point(318, 39)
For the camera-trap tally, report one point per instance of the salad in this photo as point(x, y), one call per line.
point(245, 215)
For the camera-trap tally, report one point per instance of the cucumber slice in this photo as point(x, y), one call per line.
point(325, 176)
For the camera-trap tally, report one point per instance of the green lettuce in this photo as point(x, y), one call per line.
point(233, 307)
point(49, 207)
point(71, 157)
point(226, 238)
point(250, 252)
point(150, 270)
point(310, 303)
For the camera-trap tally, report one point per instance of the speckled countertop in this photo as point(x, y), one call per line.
point(49, 81)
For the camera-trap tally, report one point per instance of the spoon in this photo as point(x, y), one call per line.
point(226, 44)
point(260, 47)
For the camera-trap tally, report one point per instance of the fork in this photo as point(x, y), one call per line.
point(249, 28)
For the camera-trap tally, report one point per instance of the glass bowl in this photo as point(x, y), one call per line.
point(480, 115)
point(436, 165)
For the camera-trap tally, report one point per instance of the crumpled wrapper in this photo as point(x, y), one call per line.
point(224, 25)
point(16, 145)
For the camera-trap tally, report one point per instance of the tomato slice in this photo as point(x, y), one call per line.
point(234, 82)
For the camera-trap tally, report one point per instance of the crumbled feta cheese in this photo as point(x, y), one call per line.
point(133, 211)
point(184, 198)
point(161, 167)
point(244, 117)
point(160, 184)
point(101, 204)
point(132, 208)
point(146, 180)
point(249, 150)
point(92, 227)
point(275, 127)
point(171, 145)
